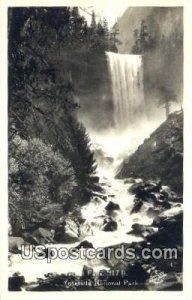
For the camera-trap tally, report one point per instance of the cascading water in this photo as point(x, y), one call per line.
point(127, 85)
point(126, 73)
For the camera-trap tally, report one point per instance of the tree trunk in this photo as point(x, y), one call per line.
point(167, 109)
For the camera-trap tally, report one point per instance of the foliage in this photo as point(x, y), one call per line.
point(143, 40)
point(113, 38)
point(50, 160)
point(166, 96)
point(38, 175)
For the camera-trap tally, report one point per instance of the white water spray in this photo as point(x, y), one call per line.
point(126, 73)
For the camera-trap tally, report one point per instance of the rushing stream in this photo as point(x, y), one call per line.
point(117, 143)
point(94, 213)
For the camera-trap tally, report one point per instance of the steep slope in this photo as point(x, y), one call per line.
point(160, 156)
point(160, 22)
point(163, 60)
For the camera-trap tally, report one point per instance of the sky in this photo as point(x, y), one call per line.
point(110, 12)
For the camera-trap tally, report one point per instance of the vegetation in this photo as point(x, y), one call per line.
point(145, 43)
point(143, 40)
point(50, 160)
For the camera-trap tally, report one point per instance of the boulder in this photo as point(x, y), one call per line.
point(170, 195)
point(143, 191)
point(135, 188)
point(153, 212)
point(67, 231)
point(170, 233)
point(71, 231)
point(85, 229)
point(42, 236)
point(15, 282)
point(112, 206)
point(164, 204)
point(137, 206)
point(109, 225)
point(152, 186)
point(129, 180)
point(15, 244)
point(141, 230)
point(85, 244)
point(29, 238)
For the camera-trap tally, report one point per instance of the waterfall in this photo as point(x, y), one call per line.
point(126, 74)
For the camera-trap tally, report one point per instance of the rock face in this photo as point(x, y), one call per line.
point(165, 26)
point(160, 156)
point(67, 231)
point(15, 244)
point(42, 236)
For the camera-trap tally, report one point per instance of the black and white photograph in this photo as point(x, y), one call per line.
point(95, 148)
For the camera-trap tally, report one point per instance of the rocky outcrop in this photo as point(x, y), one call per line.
point(165, 27)
point(109, 224)
point(67, 231)
point(41, 236)
point(15, 244)
point(15, 282)
point(85, 244)
point(112, 206)
point(152, 192)
point(141, 230)
point(160, 156)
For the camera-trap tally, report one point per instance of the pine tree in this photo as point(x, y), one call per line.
point(143, 40)
point(83, 160)
point(113, 38)
point(166, 96)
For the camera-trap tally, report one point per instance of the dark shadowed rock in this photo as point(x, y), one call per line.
point(137, 207)
point(170, 231)
point(42, 236)
point(85, 244)
point(109, 225)
point(136, 273)
point(141, 230)
point(135, 188)
point(15, 244)
point(15, 282)
point(112, 206)
point(153, 212)
point(129, 180)
point(67, 231)
point(144, 191)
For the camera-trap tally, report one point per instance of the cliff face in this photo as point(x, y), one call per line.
point(163, 63)
point(160, 156)
point(161, 22)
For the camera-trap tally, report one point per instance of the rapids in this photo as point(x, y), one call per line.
point(94, 213)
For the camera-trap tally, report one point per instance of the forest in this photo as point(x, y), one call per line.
point(50, 161)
